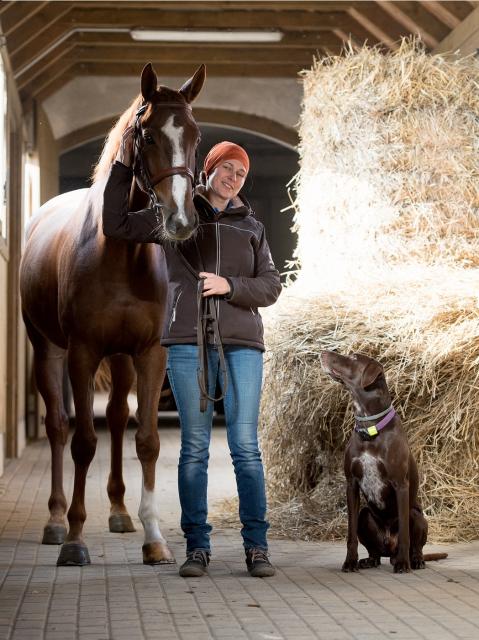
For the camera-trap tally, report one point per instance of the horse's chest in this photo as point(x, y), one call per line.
point(368, 470)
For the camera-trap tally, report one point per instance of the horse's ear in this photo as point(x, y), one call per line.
point(371, 373)
point(193, 86)
point(149, 82)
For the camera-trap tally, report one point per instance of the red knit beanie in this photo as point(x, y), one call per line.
point(225, 151)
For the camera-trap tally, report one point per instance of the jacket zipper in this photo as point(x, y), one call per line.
point(173, 315)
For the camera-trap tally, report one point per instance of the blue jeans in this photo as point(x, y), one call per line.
point(241, 403)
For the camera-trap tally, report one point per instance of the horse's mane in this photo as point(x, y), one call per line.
point(113, 140)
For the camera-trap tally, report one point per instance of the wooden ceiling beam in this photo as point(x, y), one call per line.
point(416, 20)
point(76, 19)
point(48, 90)
point(464, 38)
point(442, 13)
point(66, 48)
point(373, 21)
point(15, 14)
point(218, 6)
point(233, 56)
point(199, 19)
point(101, 46)
point(37, 24)
point(459, 9)
point(70, 69)
point(6, 6)
point(36, 49)
point(43, 80)
point(187, 69)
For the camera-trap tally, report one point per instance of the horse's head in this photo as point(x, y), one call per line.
point(166, 139)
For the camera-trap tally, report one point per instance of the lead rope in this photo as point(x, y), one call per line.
point(206, 313)
point(206, 316)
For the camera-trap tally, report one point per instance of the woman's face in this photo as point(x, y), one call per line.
point(227, 179)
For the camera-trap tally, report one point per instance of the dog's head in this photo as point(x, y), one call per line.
point(361, 375)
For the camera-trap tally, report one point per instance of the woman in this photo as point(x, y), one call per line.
point(230, 253)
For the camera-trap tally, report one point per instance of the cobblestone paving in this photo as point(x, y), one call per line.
point(118, 598)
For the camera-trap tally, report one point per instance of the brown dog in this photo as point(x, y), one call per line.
point(378, 462)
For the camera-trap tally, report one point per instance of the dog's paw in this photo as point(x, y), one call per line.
point(402, 566)
point(350, 565)
point(369, 563)
point(417, 563)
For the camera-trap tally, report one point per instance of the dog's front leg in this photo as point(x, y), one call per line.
point(352, 497)
point(402, 563)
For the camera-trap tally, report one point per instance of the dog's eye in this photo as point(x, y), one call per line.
point(148, 138)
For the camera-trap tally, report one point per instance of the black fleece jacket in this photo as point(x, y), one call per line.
point(230, 243)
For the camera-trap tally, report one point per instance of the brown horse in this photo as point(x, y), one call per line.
point(86, 297)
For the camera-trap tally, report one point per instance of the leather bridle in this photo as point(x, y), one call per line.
point(148, 182)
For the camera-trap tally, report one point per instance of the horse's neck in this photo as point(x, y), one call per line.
point(138, 198)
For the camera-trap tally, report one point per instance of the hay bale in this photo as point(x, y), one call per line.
point(387, 221)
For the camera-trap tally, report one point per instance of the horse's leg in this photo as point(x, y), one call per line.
point(82, 365)
point(150, 369)
point(122, 376)
point(48, 362)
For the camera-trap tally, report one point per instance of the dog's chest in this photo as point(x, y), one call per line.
point(370, 478)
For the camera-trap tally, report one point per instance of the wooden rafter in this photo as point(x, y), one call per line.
point(51, 42)
point(464, 38)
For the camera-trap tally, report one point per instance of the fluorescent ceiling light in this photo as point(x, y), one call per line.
point(160, 35)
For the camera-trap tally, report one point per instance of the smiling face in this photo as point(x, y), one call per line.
point(225, 182)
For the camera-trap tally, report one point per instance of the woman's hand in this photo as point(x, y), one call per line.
point(214, 285)
point(126, 150)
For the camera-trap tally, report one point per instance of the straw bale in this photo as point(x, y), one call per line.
point(387, 202)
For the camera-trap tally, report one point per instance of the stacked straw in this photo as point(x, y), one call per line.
point(387, 202)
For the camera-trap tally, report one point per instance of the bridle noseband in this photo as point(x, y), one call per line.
point(148, 181)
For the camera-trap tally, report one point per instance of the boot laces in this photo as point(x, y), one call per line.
point(199, 555)
point(260, 555)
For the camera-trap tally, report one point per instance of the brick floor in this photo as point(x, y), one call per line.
point(117, 597)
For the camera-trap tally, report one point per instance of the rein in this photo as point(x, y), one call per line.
point(369, 433)
point(207, 323)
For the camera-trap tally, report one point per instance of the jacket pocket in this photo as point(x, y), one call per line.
point(173, 311)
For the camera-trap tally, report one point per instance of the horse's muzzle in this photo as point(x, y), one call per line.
point(177, 230)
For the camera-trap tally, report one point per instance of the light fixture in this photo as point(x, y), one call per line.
point(180, 35)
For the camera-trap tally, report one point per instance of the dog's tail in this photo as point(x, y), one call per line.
point(429, 557)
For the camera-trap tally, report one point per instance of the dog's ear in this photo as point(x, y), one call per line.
point(371, 373)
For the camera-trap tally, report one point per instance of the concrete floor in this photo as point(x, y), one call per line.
point(117, 597)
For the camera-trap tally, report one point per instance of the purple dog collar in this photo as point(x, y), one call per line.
point(368, 433)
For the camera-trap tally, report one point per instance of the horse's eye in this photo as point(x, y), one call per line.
point(148, 138)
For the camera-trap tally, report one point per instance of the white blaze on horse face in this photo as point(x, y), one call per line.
point(150, 516)
point(180, 183)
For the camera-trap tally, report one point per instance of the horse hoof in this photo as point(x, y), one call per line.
point(54, 534)
point(157, 553)
point(120, 523)
point(73, 554)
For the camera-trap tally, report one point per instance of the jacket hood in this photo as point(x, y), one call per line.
point(239, 205)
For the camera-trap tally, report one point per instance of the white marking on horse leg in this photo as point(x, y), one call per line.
point(150, 516)
point(180, 183)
